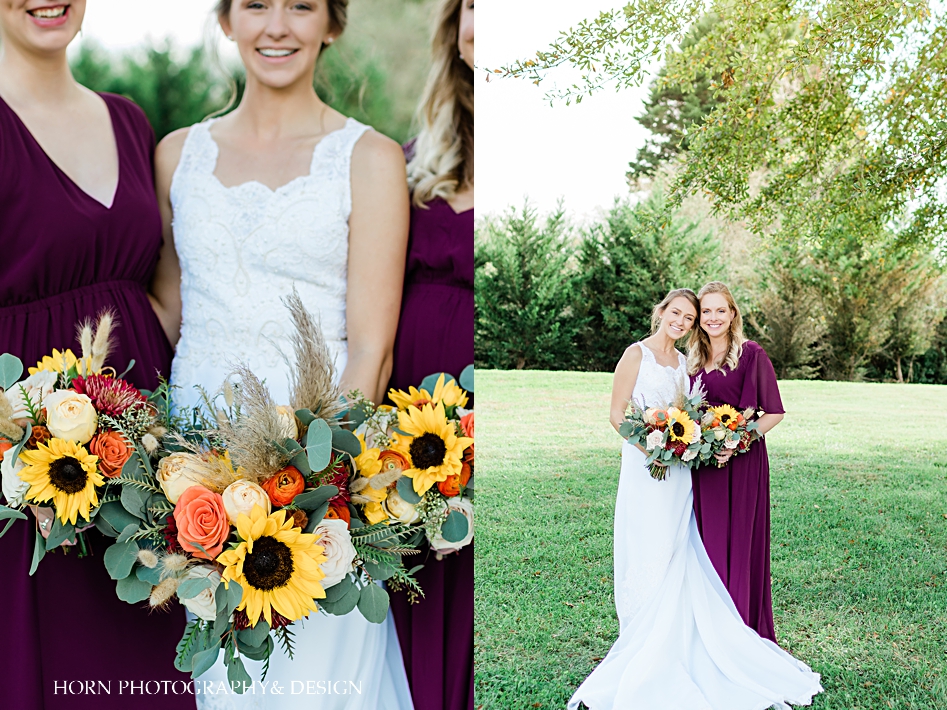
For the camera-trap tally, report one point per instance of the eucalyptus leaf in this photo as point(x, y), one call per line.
point(253, 636)
point(39, 552)
point(305, 416)
point(132, 590)
point(260, 652)
point(345, 604)
point(59, 534)
point(152, 575)
point(191, 642)
point(190, 588)
point(346, 441)
point(135, 500)
point(455, 528)
point(292, 446)
point(26, 437)
point(319, 445)
point(380, 570)
point(129, 530)
point(405, 487)
point(339, 590)
point(429, 383)
point(313, 499)
point(120, 558)
point(132, 467)
point(467, 378)
point(234, 595)
point(12, 513)
point(114, 514)
point(237, 675)
point(373, 603)
point(11, 368)
point(204, 660)
point(301, 462)
point(316, 516)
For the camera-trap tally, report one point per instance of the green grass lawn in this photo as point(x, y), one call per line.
point(859, 496)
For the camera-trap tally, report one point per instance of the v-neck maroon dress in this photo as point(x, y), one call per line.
point(63, 258)
point(731, 503)
point(436, 334)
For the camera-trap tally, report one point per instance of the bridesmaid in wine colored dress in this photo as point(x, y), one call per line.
point(435, 334)
point(80, 232)
point(731, 502)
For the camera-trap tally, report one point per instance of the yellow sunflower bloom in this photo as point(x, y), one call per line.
point(277, 565)
point(412, 398)
point(430, 444)
point(449, 394)
point(680, 425)
point(65, 473)
point(725, 413)
point(57, 362)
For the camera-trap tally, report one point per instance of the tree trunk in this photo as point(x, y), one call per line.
point(900, 375)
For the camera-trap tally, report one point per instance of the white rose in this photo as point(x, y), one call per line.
point(719, 433)
point(401, 509)
point(465, 508)
point(333, 535)
point(35, 388)
point(731, 443)
point(241, 496)
point(689, 455)
point(178, 472)
point(287, 422)
point(70, 416)
point(204, 605)
point(14, 488)
point(655, 438)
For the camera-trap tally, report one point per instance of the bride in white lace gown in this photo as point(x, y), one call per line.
point(285, 192)
point(682, 643)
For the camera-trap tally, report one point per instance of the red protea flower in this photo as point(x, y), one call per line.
point(337, 474)
point(680, 448)
point(109, 395)
point(242, 621)
point(171, 535)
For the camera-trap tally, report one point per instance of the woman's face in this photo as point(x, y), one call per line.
point(715, 315)
point(41, 26)
point(465, 37)
point(279, 40)
point(678, 317)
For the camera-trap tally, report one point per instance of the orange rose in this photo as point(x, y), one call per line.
point(392, 461)
point(467, 424)
point(284, 486)
point(451, 487)
point(112, 450)
point(200, 518)
point(339, 511)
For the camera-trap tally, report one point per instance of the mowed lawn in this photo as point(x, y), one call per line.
point(859, 511)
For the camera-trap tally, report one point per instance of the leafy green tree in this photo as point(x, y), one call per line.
point(628, 264)
point(524, 291)
point(829, 111)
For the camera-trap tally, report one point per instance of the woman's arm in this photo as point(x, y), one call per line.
point(378, 243)
point(623, 384)
point(764, 424)
point(165, 291)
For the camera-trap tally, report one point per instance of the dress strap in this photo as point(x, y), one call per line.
point(334, 153)
point(199, 153)
point(646, 353)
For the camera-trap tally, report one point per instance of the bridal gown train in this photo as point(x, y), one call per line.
point(241, 249)
point(682, 644)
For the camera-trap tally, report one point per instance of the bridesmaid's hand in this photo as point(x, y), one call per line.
point(723, 456)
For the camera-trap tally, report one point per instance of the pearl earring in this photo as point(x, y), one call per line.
point(330, 40)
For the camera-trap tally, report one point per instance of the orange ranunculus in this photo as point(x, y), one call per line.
point(392, 461)
point(5, 446)
point(338, 510)
point(451, 487)
point(113, 451)
point(200, 518)
point(732, 425)
point(467, 424)
point(284, 486)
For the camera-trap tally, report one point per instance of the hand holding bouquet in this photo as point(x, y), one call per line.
point(723, 428)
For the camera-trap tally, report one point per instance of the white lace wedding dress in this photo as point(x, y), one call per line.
point(682, 643)
point(241, 249)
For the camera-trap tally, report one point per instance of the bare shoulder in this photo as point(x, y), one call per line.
point(168, 152)
point(375, 151)
point(630, 358)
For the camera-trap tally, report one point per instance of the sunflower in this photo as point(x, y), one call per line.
point(726, 414)
point(680, 425)
point(64, 472)
point(57, 362)
point(277, 565)
point(447, 393)
point(430, 445)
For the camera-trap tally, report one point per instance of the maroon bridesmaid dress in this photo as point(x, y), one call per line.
point(732, 503)
point(435, 334)
point(64, 258)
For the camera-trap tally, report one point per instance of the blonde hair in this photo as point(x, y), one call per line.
point(699, 352)
point(443, 153)
point(659, 309)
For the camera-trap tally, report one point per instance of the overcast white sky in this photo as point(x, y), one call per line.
point(527, 148)
point(524, 146)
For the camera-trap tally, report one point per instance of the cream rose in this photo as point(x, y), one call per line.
point(654, 439)
point(719, 433)
point(442, 546)
point(178, 472)
point(401, 509)
point(241, 496)
point(696, 434)
point(35, 388)
point(287, 422)
point(689, 455)
point(337, 545)
point(70, 416)
point(204, 605)
point(731, 443)
point(14, 488)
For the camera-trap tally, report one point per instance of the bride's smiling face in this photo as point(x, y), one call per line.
point(715, 315)
point(678, 317)
point(279, 40)
point(41, 26)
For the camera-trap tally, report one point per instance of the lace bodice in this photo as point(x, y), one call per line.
point(657, 384)
point(244, 247)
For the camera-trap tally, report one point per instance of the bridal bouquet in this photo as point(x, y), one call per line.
point(67, 433)
point(670, 434)
point(245, 519)
point(417, 462)
point(724, 427)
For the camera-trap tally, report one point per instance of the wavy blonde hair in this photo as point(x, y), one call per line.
point(659, 309)
point(443, 153)
point(699, 351)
